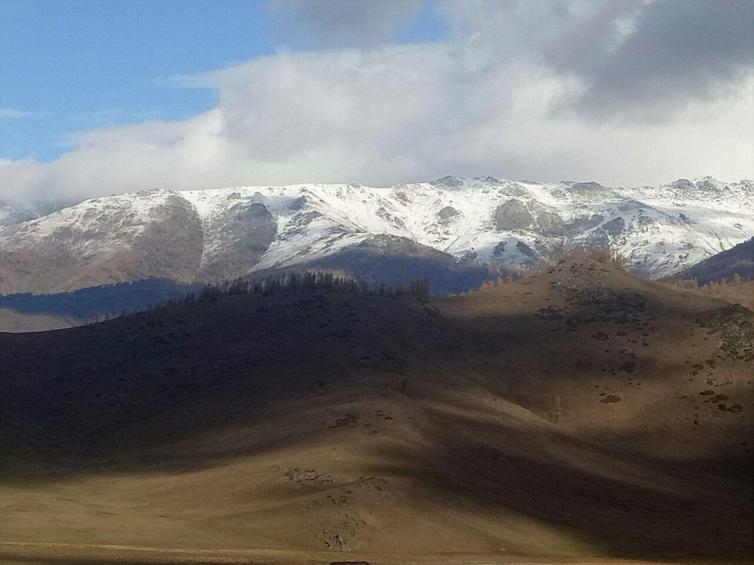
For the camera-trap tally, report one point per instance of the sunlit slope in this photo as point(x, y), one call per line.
point(578, 412)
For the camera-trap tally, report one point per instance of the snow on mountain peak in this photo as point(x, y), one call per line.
point(501, 223)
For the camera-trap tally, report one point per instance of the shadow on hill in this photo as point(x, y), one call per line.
point(98, 302)
point(138, 394)
point(620, 503)
point(158, 377)
point(163, 375)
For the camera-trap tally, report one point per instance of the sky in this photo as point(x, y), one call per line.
point(107, 96)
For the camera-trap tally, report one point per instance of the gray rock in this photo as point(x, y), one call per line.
point(549, 223)
point(241, 236)
point(447, 213)
point(615, 227)
point(513, 215)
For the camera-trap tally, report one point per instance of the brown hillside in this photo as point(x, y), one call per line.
point(579, 413)
point(734, 291)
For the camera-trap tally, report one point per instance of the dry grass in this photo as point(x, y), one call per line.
point(326, 425)
point(603, 255)
point(735, 291)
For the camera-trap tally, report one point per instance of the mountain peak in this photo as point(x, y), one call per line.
point(448, 182)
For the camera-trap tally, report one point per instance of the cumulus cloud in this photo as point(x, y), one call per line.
point(519, 89)
point(674, 51)
point(636, 59)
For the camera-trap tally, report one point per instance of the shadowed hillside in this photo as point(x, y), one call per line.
point(738, 260)
point(35, 312)
point(576, 413)
point(729, 275)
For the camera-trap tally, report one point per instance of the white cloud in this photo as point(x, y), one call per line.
point(12, 114)
point(507, 95)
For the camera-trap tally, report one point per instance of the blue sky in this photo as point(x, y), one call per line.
point(73, 65)
point(82, 64)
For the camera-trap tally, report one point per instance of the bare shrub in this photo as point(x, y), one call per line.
point(603, 255)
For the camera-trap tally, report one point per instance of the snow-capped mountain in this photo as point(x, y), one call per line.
point(12, 213)
point(490, 223)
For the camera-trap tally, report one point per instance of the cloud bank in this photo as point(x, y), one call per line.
point(623, 92)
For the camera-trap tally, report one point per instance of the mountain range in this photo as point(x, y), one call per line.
point(456, 232)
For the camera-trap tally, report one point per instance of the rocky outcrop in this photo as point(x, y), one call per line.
point(235, 240)
point(513, 215)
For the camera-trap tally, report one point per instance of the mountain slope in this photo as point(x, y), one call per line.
point(103, 241)
point(488, 223)
point(738, 260)
point(35, 312)
point(324, 424)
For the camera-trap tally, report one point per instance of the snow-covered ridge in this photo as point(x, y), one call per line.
point(501, 223)
point(664, 228)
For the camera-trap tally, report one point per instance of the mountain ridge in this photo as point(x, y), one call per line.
point(498, 224)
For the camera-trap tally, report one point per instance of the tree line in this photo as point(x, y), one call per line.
point(305, 282)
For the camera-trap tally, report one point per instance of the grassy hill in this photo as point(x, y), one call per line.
point(580, 413)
